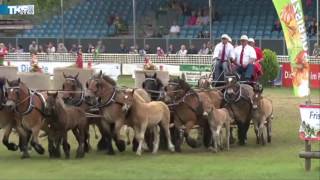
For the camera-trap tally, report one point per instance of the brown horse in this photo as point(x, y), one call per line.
point(74, 95)
point(7, 120)
point(238, 100)
point(147, 115)
point(187, 111)
point(104, 88)
point(262, 115)
point(29, 107)
point(64, 118)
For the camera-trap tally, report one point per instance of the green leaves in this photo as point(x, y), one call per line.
point(270, 67)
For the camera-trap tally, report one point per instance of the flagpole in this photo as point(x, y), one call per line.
point(318, 22)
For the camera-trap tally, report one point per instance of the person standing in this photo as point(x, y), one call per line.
point(222, 54)
point(3, 53)
point(316, 50)
point(257, 73)
point(183, 51)
point(245, 56)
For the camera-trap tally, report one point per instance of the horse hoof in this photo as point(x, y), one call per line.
point(121, 145)
point(138, 153)
point(12, 147)
point(39, 149)
point(67, 157)
point(25, 156)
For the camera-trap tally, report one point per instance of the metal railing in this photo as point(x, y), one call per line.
point(172, 59)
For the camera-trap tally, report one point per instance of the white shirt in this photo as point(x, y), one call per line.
point(249, 54)
point(174, 29)
point(229, 51)
point(182, 52)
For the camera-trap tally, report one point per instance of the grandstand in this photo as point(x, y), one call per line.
point(89, 19)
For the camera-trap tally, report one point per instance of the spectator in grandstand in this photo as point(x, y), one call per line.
point(316, 50)
point(186, 10)
point(199, 18)
point(51, 48)
point(123, 49)
point(210, 47)
point(171, 49)
point(19, 49)
point(33, 47)
point(174, 29)
point(312, 27)
point(309, 3)
point(40, 49)
point(160, 52)
point(183, 51)
point(223, 54)
point(257, 73)
point(192, 49)
point(91, 48)
point(121, 25)
point(276, 26)
point(192, 19)
point(204, 50)
point(3, 53)
point(100, 48)
point(200, 34)
point(61, 48)
point(74, 49)
point(245, 56)
point(133, 50)
point(110, 20)
point(147, 49)
point(11, 49)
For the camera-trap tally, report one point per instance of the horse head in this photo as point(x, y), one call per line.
point(70, 85)
point(256, 100)
point(17, 93)
point(127, 99)
point(232, 87)
point(153, 86)
point(176, 89)
point(99, 86)
point(51, 103)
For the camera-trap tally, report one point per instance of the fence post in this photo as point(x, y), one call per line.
point(307, 164)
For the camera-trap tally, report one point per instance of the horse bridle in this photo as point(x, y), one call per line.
point(82, 99)
point(110, 100)
point(31, 105)
point(160, 92)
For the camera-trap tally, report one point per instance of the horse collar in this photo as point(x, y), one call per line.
point(109, 101)
point(31, 105)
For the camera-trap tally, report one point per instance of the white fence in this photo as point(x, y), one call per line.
point(172, 59)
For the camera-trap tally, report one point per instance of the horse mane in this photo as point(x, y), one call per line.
point(182, 84)
point(15, 82)
point(138, 97)
point(109, 80)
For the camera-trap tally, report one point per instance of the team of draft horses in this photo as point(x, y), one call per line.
point(159, 116)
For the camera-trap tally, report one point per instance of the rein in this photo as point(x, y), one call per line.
point(110, 101)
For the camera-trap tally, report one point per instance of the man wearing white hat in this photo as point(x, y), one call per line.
point(245, 56)
point(222, 54)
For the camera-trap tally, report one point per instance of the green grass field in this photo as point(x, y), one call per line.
point(278, 160)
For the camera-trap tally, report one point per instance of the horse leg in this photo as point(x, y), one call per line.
point(51, 147)
point(256, 126)
point(35, 141)
point(121, 144)
point(228, 135)
point(103, 142)
point(207, 136)
point(156, 131)
point(79, 134)
point(269, 126)
point(87, 146)
point(139, 134)
point(232, 139)
point(57, 142)
point(23, 142)
point(5, 140)
point(149, 138)
point(190, 141)
point(66, 145)
point(166, 127)
point(178, 134)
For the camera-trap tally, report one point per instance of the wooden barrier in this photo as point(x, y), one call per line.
point(140, 76)
point(9, 72)
point(308, 154)
point(36, 81)
point(84, 75)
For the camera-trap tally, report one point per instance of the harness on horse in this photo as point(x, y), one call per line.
point(2, 97)
point(160, 93)
point(198, 111)
point(110, 101)
point(82, 99)
point(31, 106)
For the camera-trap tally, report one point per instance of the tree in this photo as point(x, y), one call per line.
point(270, 67)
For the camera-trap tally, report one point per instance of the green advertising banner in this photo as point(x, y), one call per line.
point(195, 68)
point(292, 22)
